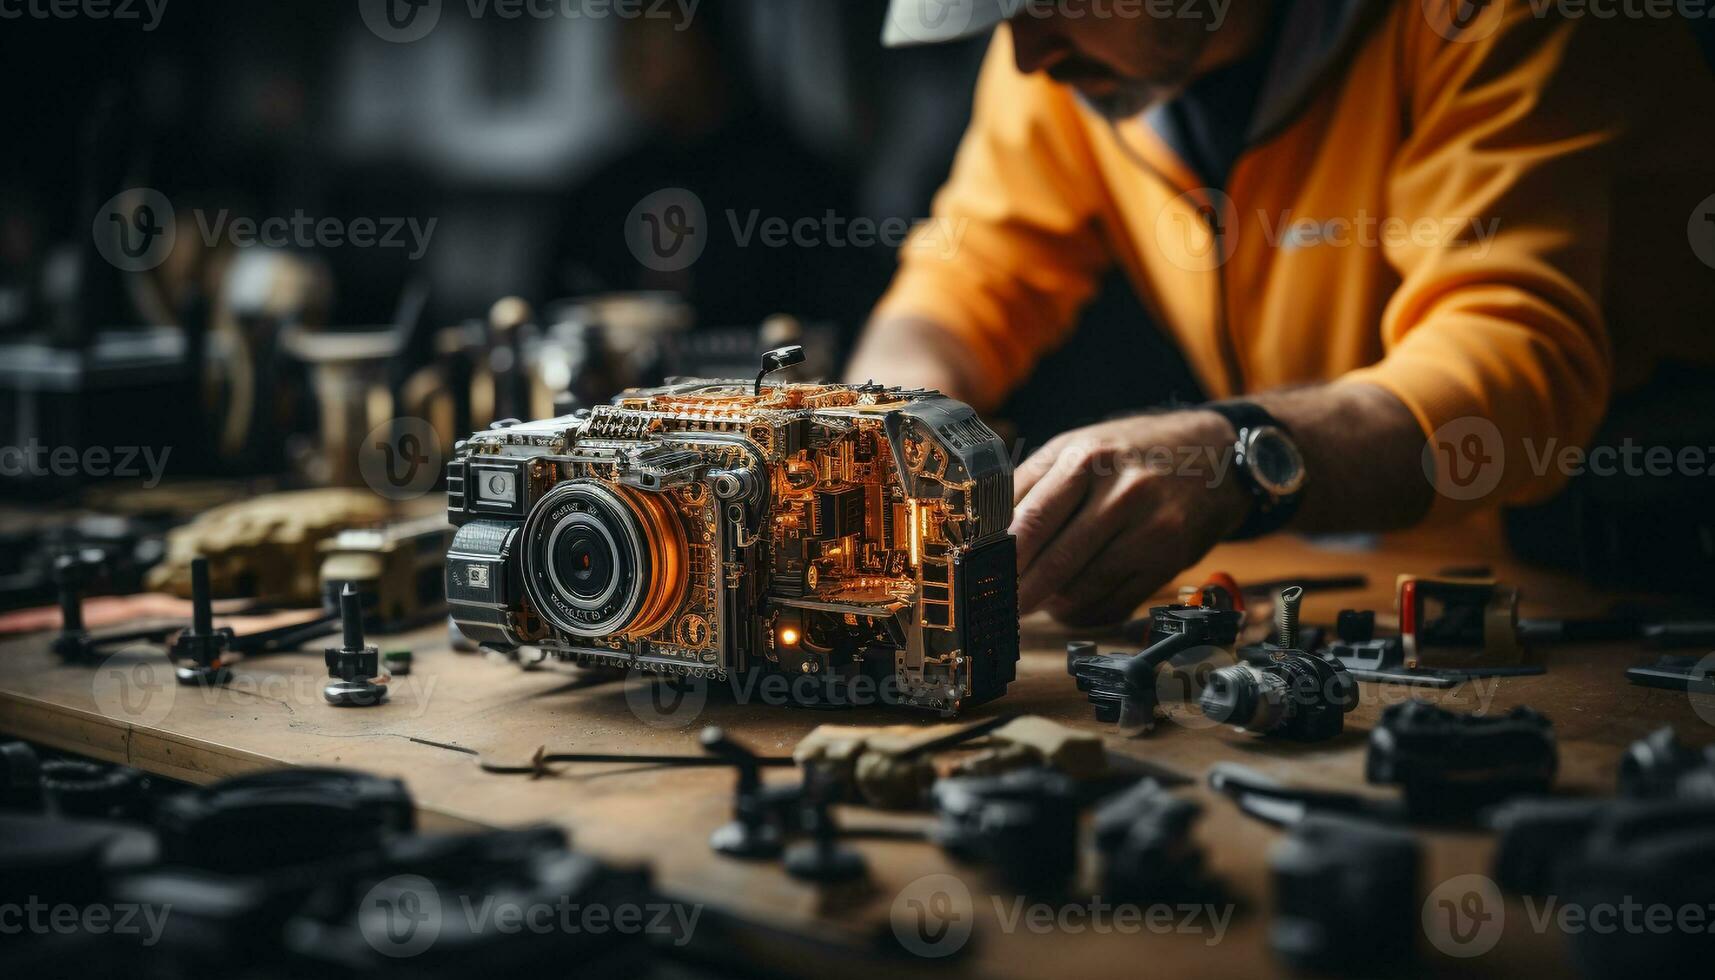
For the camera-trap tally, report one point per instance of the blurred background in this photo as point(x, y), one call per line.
point(347, 201)
point(259, 235)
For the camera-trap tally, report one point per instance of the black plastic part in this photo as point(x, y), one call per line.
point(1693, 673)
point(1143, 837)
point(822, 859)
point(1345, 895)
point(1294, 695)
point(1123, 688)
point(1534, 838)
point(778, 359)
point(755, 830)
point(1660, 766)
point(1648, 857)
point(259, 822)
point(1023, 825)
point(20, 777)
point(352, 665)
point(199, 650)
point(73, 787)
point(1452, 765)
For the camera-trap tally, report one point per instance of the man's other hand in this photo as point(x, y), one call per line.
point(1107, 514)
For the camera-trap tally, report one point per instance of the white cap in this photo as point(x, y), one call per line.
point(913, 22)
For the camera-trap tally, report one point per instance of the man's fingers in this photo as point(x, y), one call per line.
point(1033, 469)
point(1079, 541)
point(1114, 583)
point(1051, 503)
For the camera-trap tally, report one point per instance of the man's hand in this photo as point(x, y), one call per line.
point(1105, 515)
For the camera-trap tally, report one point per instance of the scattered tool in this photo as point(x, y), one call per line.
point(1294, 694)
point(354, 665)
point(1345, 895)
point(1660, 766)
point(262, 821)
point(1124, 689)
point(74, 573)
point(1023, 825)
point(822, 859)
point(891, 766)
point(1467, 626)
point(1452, 765)
point(756, 829)
point(1143, 837)
point(199, 651)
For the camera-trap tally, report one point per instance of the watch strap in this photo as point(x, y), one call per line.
point(1268, 513)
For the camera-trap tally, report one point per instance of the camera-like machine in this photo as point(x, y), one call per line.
point(711, 529)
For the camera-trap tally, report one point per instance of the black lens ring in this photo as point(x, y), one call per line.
point(587, 503)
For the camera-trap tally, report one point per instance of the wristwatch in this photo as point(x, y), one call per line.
point(1267, 463)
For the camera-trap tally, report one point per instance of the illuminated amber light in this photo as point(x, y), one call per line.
point(788, 637)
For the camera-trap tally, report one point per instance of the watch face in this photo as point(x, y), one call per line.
point(1274, 461)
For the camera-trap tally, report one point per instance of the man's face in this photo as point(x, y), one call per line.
point(1119, 65)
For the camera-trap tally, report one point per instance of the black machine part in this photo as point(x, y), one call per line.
point(1452, 765)
point(77, 788)
point(1345, 895)
point(1143, 837)
point(1295, 695)
point(353, 664)
point(1660, 766)
point(1124, 689)
point(1023, 825)
point(267, 820)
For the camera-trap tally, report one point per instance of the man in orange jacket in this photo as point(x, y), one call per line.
point(1392, 237)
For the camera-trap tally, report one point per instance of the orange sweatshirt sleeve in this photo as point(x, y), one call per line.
point(1012, 250)
point(1495, 337)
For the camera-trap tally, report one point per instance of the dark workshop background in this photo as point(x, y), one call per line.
point(527, 140)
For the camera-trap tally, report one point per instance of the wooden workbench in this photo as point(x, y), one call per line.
point(273, 714)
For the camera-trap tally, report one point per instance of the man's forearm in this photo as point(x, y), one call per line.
point(915, 353)
point(1363, 456)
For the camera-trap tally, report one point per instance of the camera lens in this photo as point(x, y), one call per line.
point(1231, 696)
point(601, 560)
point(584, 562)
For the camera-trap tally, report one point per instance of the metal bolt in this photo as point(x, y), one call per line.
point(1286, 617)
